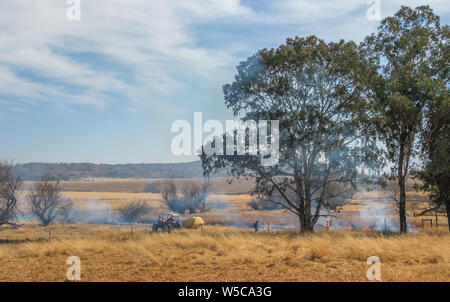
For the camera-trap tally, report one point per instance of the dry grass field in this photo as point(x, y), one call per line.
point(227, 249)
point(112, 253)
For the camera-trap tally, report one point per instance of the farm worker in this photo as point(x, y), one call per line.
point(255, 225)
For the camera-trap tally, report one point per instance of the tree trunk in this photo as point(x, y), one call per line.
point(401, 174)
point(306, 225)
point(309, 228)
point(447, 207)
point(402, 205)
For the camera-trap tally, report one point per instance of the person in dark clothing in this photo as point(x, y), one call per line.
point(256, 225)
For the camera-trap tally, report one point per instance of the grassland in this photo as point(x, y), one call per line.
point(220, 252)
point(112, 253)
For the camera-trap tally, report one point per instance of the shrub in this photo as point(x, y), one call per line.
point(134, 210)
point(193, 197)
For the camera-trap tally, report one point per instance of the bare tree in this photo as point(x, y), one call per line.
point(134, 210)
point(193, 197)
point(195, 194)
point(9, 185)
point(168, 190)
point(45, 200)
point(67, 212)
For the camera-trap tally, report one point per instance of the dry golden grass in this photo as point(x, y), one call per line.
point(110, 253)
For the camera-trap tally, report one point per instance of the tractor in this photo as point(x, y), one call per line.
point(167, 222)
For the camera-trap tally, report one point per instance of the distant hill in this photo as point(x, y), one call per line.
point(68, 171)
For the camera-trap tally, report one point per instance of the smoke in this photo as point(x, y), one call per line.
point(376, 215)
point(94, 211)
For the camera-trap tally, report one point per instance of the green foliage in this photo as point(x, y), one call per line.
point(307, 85)
point(404, 68)
point(435, 171)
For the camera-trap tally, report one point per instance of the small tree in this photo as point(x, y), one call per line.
point(168, 190)
point(46, 199)
point(9, 184)
point(193, 196)
point(134, 210)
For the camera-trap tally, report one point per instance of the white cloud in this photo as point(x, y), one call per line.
point(148, 38)
point(152, 41)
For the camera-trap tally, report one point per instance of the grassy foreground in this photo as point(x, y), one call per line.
point(112, 253)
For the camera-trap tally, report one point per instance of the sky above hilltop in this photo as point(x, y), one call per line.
point(107, 88)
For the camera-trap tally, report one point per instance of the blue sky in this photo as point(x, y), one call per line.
point(107, 88)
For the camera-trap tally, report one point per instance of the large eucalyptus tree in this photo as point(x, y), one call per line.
point(405, 71)
point(305, 84)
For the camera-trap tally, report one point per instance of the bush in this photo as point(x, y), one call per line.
point(193, 196)
point(168, 190)
point(134, 210)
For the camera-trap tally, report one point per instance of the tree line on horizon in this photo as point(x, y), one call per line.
point(77, 171)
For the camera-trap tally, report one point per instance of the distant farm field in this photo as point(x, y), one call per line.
point(219, 185)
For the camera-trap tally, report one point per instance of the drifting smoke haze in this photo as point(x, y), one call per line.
point(227, 204)
point(94, 211)
point(377, 214)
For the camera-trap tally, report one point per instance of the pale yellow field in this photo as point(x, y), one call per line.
point(218, 185)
